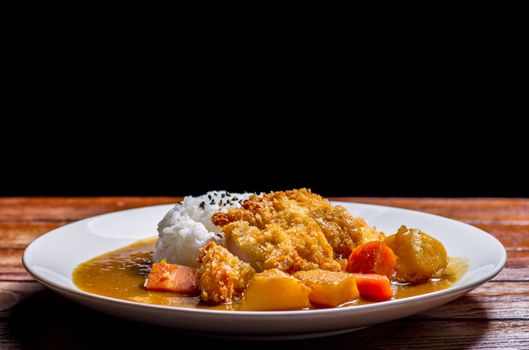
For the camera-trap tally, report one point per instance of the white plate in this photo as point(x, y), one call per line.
point(52, 258)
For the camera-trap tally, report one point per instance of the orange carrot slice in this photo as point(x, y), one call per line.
point(372, 257)
point(373, 287)
point(172, 278)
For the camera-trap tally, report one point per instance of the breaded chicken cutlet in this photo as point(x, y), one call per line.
point(292, 230)
point(221, 276)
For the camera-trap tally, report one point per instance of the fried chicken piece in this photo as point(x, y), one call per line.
point(292, 231)
point(221, 276)
point(287, 246)
point(343, 231)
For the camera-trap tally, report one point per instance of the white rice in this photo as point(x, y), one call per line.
point(187, 226)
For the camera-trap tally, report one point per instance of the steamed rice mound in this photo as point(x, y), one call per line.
point(187, 226)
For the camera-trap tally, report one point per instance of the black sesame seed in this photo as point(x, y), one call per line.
point(223, 195)
point(202, 204)
point(209, 196)
point(235, 198)
point(212, 202)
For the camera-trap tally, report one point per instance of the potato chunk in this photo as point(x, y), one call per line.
point(275, 290)
point(419, 255)
point(329, 288)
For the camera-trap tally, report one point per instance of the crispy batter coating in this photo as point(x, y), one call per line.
point(291, 231)
point(221, 276)
point(342, 230)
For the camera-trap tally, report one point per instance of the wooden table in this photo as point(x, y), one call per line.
point(496, 315)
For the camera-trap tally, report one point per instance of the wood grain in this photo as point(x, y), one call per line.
point(495, 315)
point(68, 209)
point(471, 210)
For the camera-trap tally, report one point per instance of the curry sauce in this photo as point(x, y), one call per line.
point(121, 274)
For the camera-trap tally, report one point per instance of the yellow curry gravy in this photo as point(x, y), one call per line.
point(122, 273)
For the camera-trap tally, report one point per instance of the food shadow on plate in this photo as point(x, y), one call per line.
point(47, 320)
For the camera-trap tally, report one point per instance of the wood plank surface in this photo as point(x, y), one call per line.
point(493, 316)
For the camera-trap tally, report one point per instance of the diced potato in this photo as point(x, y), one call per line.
point(275, 290)
point(419, 255)
point(329, 288)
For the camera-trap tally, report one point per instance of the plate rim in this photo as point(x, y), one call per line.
point(241, 314)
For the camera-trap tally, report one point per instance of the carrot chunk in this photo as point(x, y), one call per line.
point(372, 257)
point(172, 278)
point(373, 287)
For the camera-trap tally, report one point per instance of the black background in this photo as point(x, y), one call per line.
point(383, 125)
point(430, 157)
